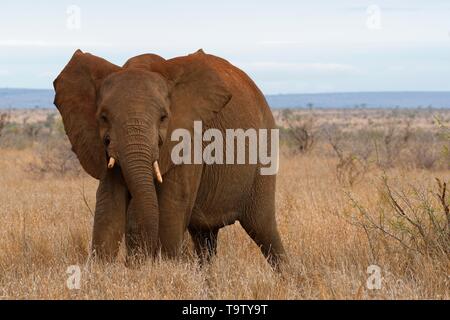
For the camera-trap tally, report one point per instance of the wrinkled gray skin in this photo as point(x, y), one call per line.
point(128, 113)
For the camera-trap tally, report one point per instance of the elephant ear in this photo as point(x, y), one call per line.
point(197, 94)
point(75, 97)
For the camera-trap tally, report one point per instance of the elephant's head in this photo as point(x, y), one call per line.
point(123, 117)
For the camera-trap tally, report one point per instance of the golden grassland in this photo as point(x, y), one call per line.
point(46, 222)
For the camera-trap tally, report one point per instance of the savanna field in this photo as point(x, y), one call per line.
point(356, 189)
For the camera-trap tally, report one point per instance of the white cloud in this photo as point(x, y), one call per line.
point(278, 42)
point(316, 67)
point(38, 43)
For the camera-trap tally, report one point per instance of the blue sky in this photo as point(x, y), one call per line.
point(285, 46)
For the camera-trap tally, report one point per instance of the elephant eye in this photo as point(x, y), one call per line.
point(103, 118)
point(106, 140)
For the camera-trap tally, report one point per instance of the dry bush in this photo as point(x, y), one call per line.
point(388, 148)
point(444, 133)
point(54, 157)
point(300, 130)
point(394, 141)
point(425, 151)
point(31, 130)
point(418, 220)
point(51, 149)
point(350, 168)
point(415, 138)
point(3, 121)
point(19, 135)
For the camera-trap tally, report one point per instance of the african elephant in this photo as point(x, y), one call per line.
point(119, 121)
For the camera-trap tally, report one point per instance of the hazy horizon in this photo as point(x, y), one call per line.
point(43, 98)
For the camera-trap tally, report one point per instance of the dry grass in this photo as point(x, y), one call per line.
point(46, 227)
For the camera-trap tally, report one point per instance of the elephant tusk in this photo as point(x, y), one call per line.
point(157, 172)
point(111, 163)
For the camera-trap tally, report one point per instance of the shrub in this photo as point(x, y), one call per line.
point(350, 168)
point(54, 157)
point(416, 219)
point(300, 130)
point(3, 121)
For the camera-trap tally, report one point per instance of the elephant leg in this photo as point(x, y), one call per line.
point(109, 218)
point(205, 243)
point(258, 220)
point(176, 198)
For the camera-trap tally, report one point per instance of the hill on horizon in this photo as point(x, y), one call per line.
point(43, 98)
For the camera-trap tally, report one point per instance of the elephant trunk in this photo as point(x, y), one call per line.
point(136, 160)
